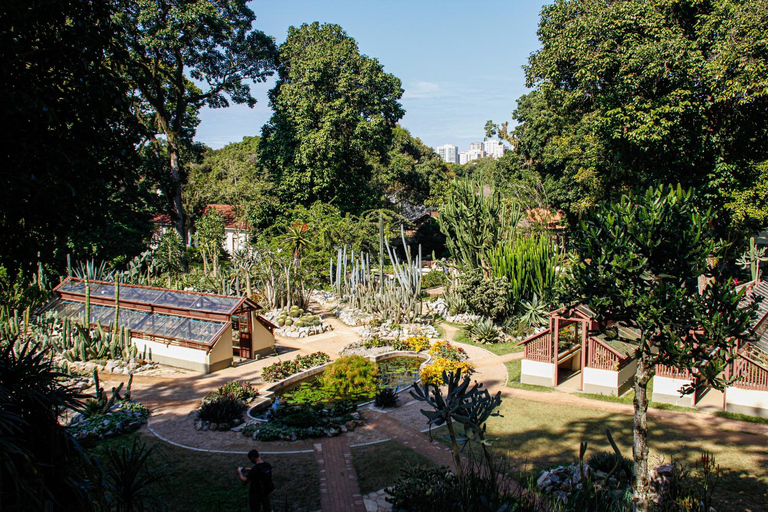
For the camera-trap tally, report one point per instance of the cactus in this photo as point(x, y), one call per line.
point(752, 259)
point(87, 320)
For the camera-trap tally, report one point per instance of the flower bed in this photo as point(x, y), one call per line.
point(123, 417)
point(223, 408)
point(284, 369)
point(293, 422)
point(297, 323)
point(445, 358)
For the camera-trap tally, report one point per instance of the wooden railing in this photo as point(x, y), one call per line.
point(601, 357)
point(673, 372)
point(539, 347)
point(749, 374)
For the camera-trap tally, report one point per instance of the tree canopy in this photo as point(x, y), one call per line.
point(184, 54)
point(334, 113)
point(636, 93)
point(638, 262)
point(71, 180)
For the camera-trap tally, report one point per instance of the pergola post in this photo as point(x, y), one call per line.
point(555, 345)
point(584, 346)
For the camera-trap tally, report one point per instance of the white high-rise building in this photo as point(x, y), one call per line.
point(494, 148)
point(474, 154)
point(476, 146)
point(463, 157)
point(449, 153)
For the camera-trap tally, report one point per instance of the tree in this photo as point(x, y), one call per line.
point(647, 92)
point(334, 112)
point(210, 236)
point(171, 43)
point(170, 255)
point(70, 180)
point(638, 264)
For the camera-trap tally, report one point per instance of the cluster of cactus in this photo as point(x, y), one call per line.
point(297, 317)
point(397, 299)
point(82, 344)
point(100, 405)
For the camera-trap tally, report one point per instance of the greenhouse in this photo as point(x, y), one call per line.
point(196, 331)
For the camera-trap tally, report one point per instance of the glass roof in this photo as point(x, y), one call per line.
point(157, 297)
point(167, 326)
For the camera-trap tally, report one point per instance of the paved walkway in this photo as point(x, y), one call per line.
point(174, 399)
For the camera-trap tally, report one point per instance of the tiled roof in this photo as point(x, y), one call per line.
point(230, 218)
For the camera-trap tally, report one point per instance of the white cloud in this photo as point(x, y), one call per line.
point(422, 90)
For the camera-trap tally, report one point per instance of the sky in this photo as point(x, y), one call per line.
point(460, 62)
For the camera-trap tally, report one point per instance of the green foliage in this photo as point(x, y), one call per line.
point(210, 236)
point(71, 181)
point(42, 465)
point(240, 389)
point(475, 222)
point(386, 398)
point(534, 313)
point(334, 112)
point(606, 461)
point(530, 266)
point(213, 43)
point(434, 278)
point(637, 93)
point(424, 489)
point(484, 296)
point(351, 378)
point(283, 369)
point(170, 254)
point(130, 477)
point(17, 293)
point(222, 408)
point(484, 331)
point(302, 421)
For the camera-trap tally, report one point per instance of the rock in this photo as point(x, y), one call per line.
point(206, 425)
point(370, 506)
point(214, 426)
point(343, 428)
point(350, 425)
point(355, 415)
point(294, 437)
point(542, 478)
point(110, 366)
point(223, 427)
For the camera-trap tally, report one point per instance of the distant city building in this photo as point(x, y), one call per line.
point(449, 153)
point(476, 146)
point(474, 153)
point(463, 157)
point(494, 148)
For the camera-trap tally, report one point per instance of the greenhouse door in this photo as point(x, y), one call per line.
point(241, 335)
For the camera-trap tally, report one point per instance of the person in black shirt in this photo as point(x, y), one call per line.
point(260, 479)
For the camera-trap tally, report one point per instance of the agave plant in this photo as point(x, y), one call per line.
point(484, 331)
point(535, 312)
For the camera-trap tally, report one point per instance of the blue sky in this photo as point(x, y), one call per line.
point(459, 61)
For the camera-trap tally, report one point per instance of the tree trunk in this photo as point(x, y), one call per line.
point(640, 444)
point(180, 220)
point(454, 446)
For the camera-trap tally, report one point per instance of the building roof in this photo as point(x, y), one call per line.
point(227, 211)
point(193, 317)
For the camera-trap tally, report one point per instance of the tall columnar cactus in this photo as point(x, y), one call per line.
point(529, 264)
point(752, 259)
point(87, 319)
point(396, 299)
point(474, 222)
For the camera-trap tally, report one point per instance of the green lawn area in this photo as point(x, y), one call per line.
point(378, 465)
point(497, 348)
point(543, 435)
point(208, 482)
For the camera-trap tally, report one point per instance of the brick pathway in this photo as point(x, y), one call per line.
point(339, 490)
point(410, 437)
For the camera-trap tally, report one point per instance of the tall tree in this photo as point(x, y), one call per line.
point(639, 261)
point(175, 42)
point(639, 92)
point(69, 180)
point(334, 112)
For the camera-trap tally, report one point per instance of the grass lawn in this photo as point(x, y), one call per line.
point(497, 348)
point(741, 417)
point(378, 465)
point(544, 435)
point(208, 482)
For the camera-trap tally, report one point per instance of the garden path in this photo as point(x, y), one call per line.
point(174, 399)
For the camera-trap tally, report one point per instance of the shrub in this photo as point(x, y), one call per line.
point(284, 369)
point(415, 343)
point(433, 278)
point(424, 488)
point(351, 378)
point(222, 409)
point(484, 331)
point(484, 296)
point(444, 349)
point(604, 461)
point(386, 398)
point(375, 342)
point(433, 372)
point(243, 390)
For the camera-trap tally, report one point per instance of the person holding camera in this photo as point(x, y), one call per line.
point(260, 479)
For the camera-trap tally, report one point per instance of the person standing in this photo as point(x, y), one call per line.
point(260, 479)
